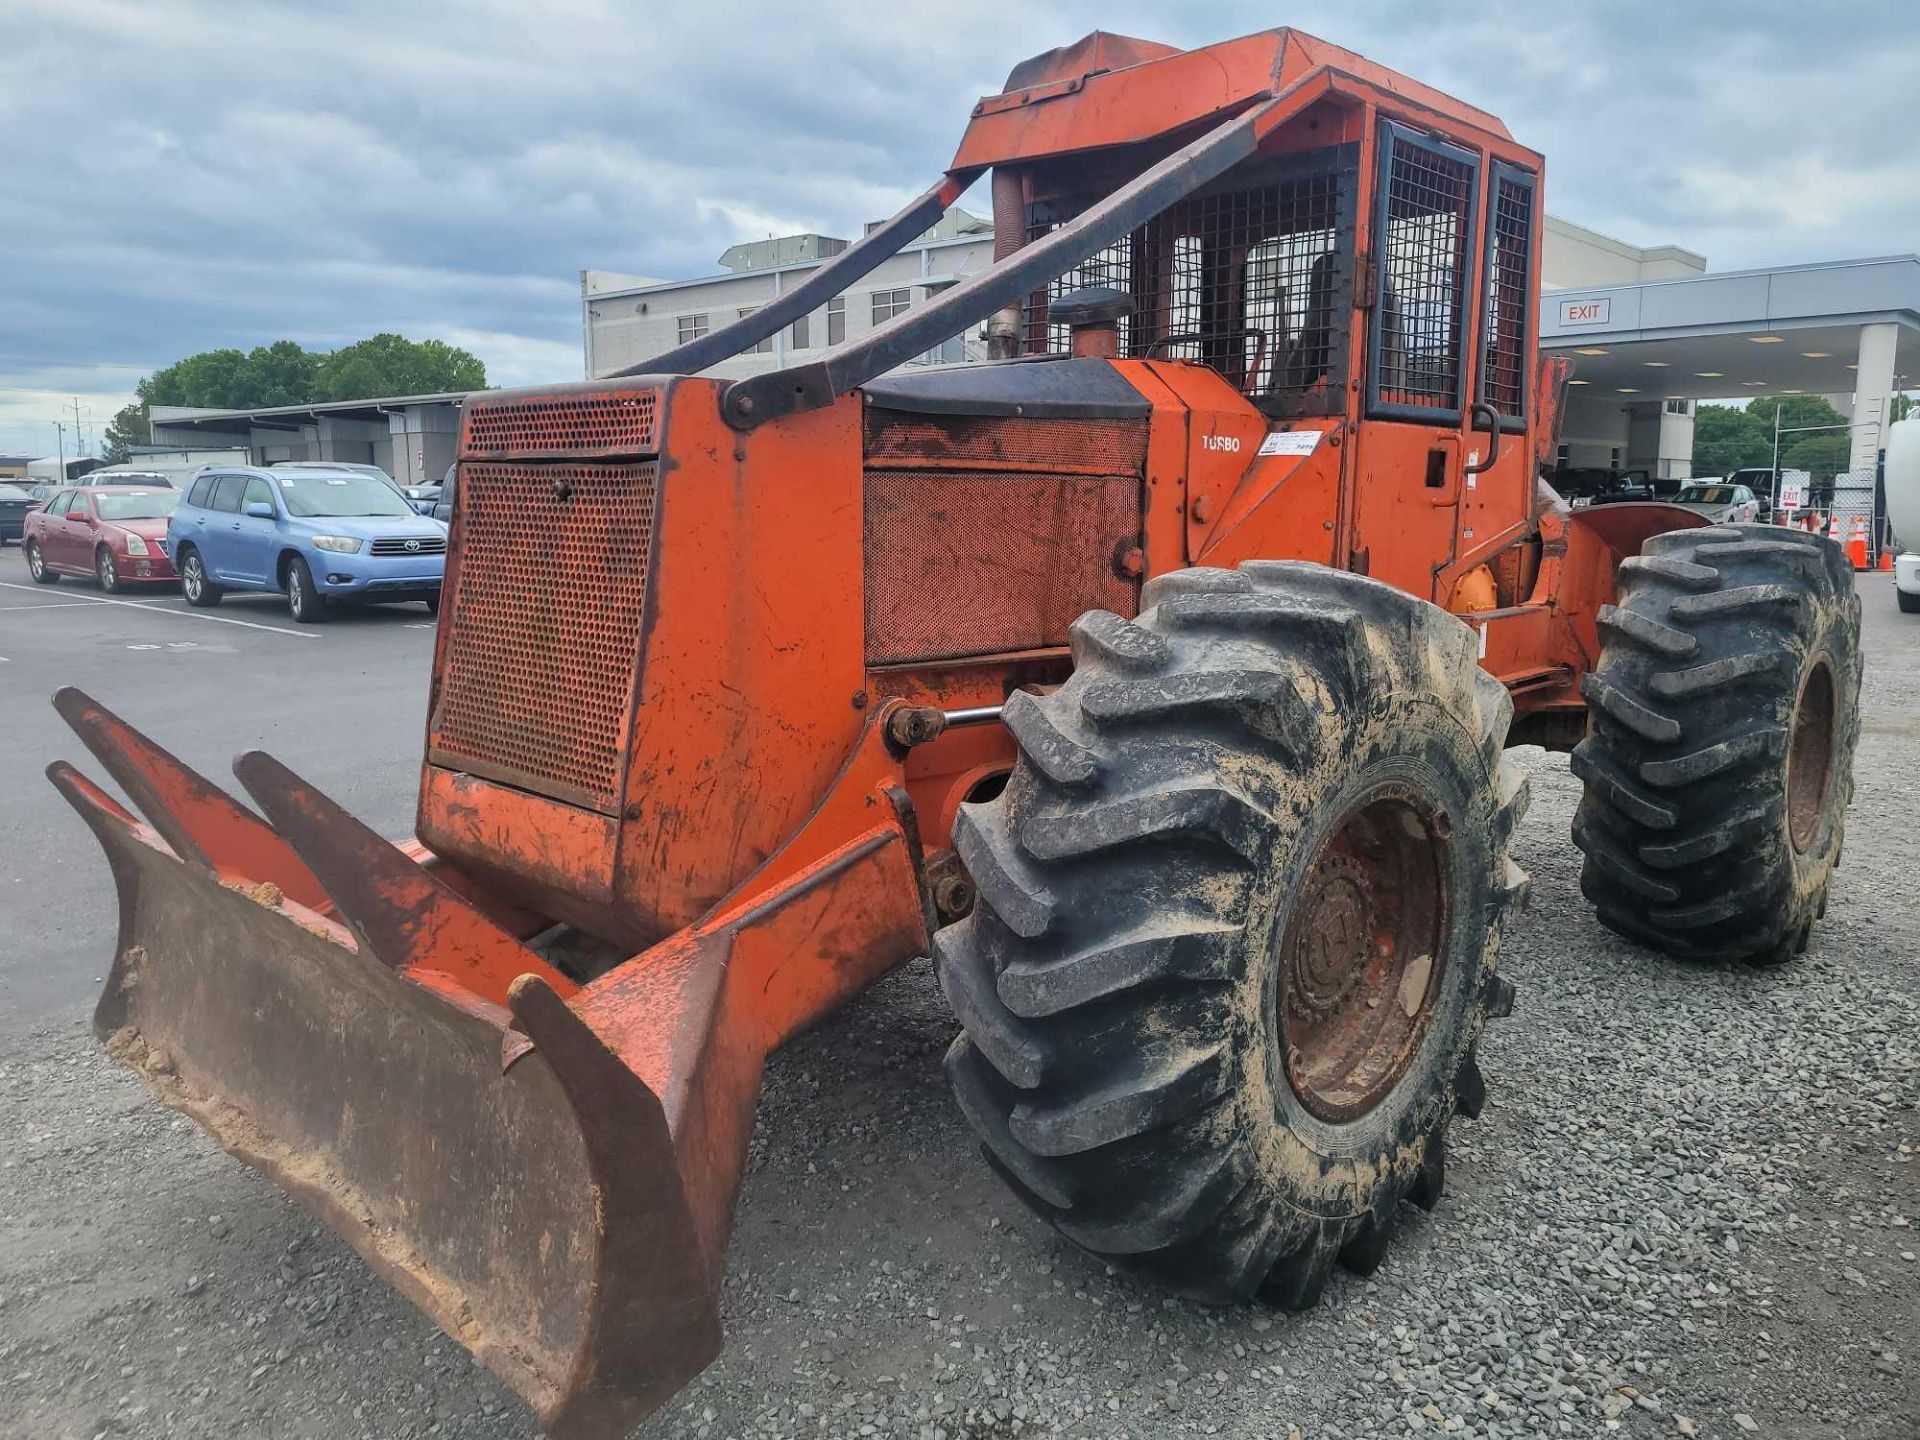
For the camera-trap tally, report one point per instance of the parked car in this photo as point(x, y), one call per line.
point(148, 479)
point(1589, 485)
point(426, 497)
point(1721, 503)
point(320, 534)
point(449, 490)
point(111, 532)
point(15, 502)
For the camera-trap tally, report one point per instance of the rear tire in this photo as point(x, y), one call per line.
point(104, 571)
point(1719, 761)
point(37, 565)
point(306, 603)
point(1909, 604)
point(194, 584)
point(1182, 897)
point(432, 602)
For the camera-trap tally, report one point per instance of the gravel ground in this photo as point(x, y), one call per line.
point(1689, 1209)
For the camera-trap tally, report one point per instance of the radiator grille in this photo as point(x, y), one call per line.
point(1111, 447)
point(417, 545)
point(617, 422)
point(973, 562)
point(543, 639)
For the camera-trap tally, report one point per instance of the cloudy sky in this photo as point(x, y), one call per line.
point(182, 176)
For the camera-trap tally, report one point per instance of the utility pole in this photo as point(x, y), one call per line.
point(79, 436)
point(60, 433)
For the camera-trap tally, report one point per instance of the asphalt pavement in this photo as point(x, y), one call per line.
point(1687, 1212)
point(343, 703)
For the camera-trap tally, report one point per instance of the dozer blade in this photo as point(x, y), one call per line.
point(547, 1170)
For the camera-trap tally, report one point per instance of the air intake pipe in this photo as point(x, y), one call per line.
point(1004, 325)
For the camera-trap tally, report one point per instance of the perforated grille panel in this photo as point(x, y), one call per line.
point(1253, 277)
point(1503, 381)
point(1423, 241)
point(543, 635)
point(616, 422)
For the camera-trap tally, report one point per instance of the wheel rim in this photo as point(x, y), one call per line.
point(296, 593)
point(1810, 756)
point(33, 560)
point(190, 577)
point(1364, 952)
point(106, 571)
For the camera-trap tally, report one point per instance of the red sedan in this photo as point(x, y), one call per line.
point(111, 532)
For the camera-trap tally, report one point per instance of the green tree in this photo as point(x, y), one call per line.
point(1901, 409)
point(395, 365)
point(1727, 438)
point(126, 429)
point(1797, 412)
point(285, 373)
point(1824, 456)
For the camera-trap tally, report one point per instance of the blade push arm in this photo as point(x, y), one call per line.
point(854, 263)
point(753, 402)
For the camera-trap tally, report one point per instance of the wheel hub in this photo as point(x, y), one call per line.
point(1810, 756)
point(1363, 952)
point(1328, 954)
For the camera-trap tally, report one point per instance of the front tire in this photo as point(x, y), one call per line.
point(1719, 764)
point(194, 584)
point(306, 603)
point(37, 565)
point(1235, 936)
point(104, 571)
point(1909, 604)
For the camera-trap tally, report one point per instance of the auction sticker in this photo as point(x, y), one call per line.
point(1291, 442)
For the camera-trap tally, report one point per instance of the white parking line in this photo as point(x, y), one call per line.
point(146, 607)
point(55, 605)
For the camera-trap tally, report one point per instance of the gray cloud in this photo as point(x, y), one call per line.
point(182, 176)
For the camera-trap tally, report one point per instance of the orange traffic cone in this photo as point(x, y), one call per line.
point(1857, 543)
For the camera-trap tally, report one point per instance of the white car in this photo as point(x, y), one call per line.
point(1720, 503)
point(1903, 510)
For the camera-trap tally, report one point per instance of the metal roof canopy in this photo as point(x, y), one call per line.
point(292, 416)
point(1791, 329)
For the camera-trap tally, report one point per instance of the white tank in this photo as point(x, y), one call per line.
point(1903, 483)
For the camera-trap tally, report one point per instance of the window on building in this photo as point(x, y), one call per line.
point(836, 320)
point(1564, 456)
point(800, 337)
point(948, 352)
point(1614, 462)
point(692, 327)
point(1676, 407)
point(765, 347)
point(889, 303)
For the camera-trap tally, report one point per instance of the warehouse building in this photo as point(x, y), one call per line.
point(411, 437)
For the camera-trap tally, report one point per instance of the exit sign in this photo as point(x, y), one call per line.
point(1585, 312)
